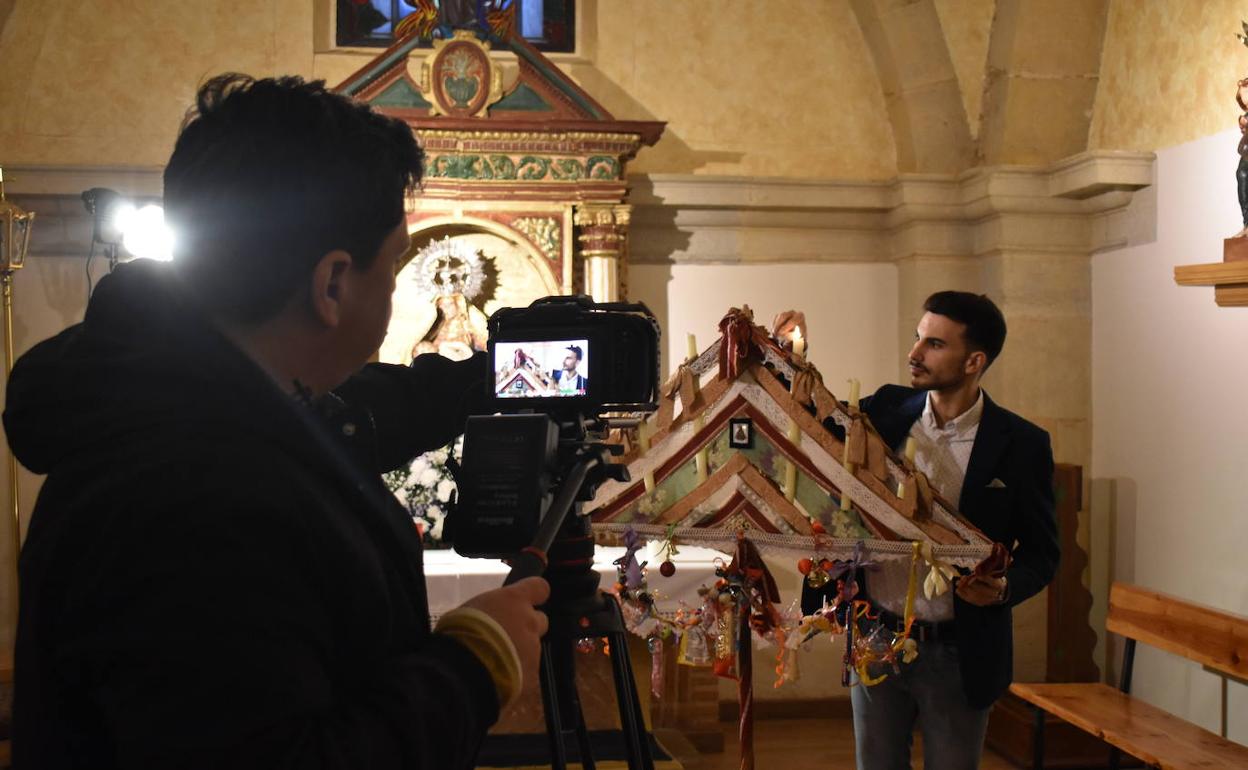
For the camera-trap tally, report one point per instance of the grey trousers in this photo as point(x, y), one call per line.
point(929, 691)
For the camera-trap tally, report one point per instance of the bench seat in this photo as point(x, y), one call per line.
point(1158, 738)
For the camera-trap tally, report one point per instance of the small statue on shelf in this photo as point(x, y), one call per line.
point(1241, 172)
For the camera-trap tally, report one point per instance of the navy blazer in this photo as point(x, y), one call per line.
point(1018, 511)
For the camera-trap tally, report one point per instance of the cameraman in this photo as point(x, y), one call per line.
point(214, 575)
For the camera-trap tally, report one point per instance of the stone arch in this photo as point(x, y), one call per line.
point(1044, 61)
point(921, 90)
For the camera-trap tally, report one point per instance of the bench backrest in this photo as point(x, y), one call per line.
point(1211, 637)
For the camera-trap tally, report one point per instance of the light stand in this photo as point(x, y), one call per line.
point(15, 226)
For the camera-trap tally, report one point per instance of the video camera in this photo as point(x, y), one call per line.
point(559, 367)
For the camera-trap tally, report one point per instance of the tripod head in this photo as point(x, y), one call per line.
point(522, 477)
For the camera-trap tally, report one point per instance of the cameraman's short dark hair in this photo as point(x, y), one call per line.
point(985, 325)
point(268, 176)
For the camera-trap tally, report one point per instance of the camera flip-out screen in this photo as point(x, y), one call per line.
point(541, 368)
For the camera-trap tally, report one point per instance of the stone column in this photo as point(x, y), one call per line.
point(602, 240)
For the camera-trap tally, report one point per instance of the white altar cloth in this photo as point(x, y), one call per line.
point(452, 579)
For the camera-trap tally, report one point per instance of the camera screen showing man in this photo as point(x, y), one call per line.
point(541, 368)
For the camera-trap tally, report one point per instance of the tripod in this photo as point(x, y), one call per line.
point(577, 609)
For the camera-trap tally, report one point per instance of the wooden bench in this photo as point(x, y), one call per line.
point(1217, 640)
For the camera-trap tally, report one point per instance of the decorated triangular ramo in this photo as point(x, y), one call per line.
point(739, 444)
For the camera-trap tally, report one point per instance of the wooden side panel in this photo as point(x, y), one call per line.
point(1214, 638)
point(1071, 640)
point(1145, 731)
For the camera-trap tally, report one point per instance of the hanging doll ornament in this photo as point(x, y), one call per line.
point(695, 635)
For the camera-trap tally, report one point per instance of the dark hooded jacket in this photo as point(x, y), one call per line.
point(214, 575)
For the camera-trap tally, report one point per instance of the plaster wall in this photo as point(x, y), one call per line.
point(851, 309)
point(1170, 430)
point(108, 84)
point(1168, 73)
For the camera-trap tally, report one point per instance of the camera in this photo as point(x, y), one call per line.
point(573, 355)
point(557, 368)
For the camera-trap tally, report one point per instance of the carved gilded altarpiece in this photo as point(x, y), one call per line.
point(524, 190)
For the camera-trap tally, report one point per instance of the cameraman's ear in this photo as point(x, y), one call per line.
point(328, 287)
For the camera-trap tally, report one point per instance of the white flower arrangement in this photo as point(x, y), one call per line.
point(425, 488)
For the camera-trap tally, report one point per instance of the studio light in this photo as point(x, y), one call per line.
point(119, 225)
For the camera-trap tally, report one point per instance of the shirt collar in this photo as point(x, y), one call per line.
point(958, 425)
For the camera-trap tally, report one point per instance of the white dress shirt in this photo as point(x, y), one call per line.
point(942, 454)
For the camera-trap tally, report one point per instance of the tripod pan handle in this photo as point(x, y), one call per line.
point(530, 562)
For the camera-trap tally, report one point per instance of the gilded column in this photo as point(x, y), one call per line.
point(602, 238)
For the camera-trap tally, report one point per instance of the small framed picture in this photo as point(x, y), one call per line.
point(741, 433)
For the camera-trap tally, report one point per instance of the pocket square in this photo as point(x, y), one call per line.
point(996, 484)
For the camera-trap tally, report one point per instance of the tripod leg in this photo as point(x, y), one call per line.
point(631, 721)
point(582, 739)
point(550, 708)
point(570, 699)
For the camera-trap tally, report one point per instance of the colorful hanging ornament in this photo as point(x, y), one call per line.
point(655, 645)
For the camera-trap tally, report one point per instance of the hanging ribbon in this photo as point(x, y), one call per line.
point(917, 502)
point(759, 586)
point(856, 440)
point(684, 383)
point(877, 452)
point(758, 613)
point(912, 585)
point(939, 574)
point(736, 330)
point(907, 647)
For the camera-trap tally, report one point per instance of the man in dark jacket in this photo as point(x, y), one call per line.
point(999, 467)
point(214, 575)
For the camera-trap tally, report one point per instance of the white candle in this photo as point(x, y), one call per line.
point(911, 448)
point(648, 480)
point(693, 348)
point(853, 393)
point(702, 458)
point(790, 480)
point(799, 343)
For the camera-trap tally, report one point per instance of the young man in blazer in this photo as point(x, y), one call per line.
point(999, 469)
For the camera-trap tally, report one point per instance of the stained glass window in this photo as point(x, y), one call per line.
point(548, 24)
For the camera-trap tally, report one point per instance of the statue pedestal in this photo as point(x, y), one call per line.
point(1235, 249)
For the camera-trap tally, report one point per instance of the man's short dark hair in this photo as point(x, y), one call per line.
point(268, 176)
point(985, 325)
point(576, 351)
